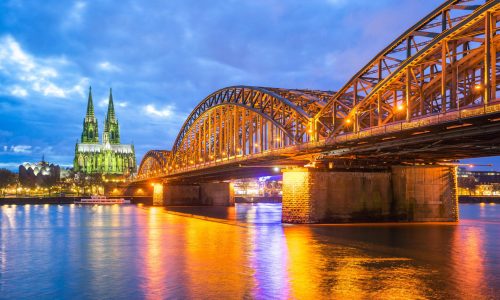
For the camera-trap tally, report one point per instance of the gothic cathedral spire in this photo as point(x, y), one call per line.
point(109, 157)
point(90, 105)
point(90, 134)
point(111, 129)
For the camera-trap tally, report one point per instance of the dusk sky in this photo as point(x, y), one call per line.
point(163, 57)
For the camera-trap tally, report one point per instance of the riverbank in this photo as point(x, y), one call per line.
point(149, 200)
point(65, 200)
point(479, 199)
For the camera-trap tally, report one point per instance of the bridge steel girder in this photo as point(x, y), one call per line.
point(429, 69)
point(153, 163)
point(443, 68)
point(243, 121)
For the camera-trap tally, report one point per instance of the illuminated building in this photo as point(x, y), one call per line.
point(110, 157)
point(478, 182)
point(40, 173)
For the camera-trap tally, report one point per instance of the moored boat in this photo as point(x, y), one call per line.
point(103, 200)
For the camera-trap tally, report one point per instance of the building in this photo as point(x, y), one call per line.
point(38, 174)
point(109, 157)
point(478, 182)
point(483, 177)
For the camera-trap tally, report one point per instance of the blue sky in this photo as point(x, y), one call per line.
point(163, 57)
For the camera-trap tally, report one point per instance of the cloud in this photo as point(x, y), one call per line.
point(24, 73)
point(18, 91)
point(165, 112)
point(336, 2)
point(20, 149)
point(75, 15)
point(104, 103)
point(107, 66)
point(10, 165)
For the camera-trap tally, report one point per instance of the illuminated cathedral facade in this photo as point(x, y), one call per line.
point(109, 157)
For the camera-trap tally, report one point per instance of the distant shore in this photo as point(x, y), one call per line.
point(479, 199)
point(64, 200)
point(148, 200)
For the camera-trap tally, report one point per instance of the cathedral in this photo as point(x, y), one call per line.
point(111, 157)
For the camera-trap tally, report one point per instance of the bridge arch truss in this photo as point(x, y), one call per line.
point(242, 121)
point(446, 62)
point(154, 163)
point(446, 65)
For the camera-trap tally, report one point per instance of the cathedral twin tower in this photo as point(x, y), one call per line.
point(110, 157)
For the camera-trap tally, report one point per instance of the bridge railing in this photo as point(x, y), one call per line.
point(421, 122)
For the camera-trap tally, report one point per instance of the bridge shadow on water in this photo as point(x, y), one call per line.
point(245, 213)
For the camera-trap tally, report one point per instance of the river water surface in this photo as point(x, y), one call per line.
point(131, 252)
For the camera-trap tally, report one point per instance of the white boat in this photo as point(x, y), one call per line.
point(102, 200)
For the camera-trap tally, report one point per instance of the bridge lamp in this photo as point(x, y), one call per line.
point(223, 153)
point(348, 121)
point(238, 149)
point(201, 159)
point(256, 145)
point(400, 107)
point(278, 139)
point(478, 87)
point(191, 162)
point(276, 169)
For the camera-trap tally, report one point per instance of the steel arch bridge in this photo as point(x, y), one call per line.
point(153, 162)
point(441, 70)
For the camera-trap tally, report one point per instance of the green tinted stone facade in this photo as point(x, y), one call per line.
point(110, 157)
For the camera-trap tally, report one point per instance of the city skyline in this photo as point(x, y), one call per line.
point(165, 58)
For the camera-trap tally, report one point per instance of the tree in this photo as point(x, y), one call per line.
point(7, 178)
point(95, 180)
point(468, 183)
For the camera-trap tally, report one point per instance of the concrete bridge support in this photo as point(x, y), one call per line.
point(212, 194)
point(217, 193)
point(405, 193)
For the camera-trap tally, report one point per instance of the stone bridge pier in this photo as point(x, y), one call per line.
point(403, 193)
point(210, 193)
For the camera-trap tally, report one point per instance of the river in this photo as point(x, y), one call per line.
point(244, 252)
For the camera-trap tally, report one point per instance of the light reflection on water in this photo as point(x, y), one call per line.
point(147, 253)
